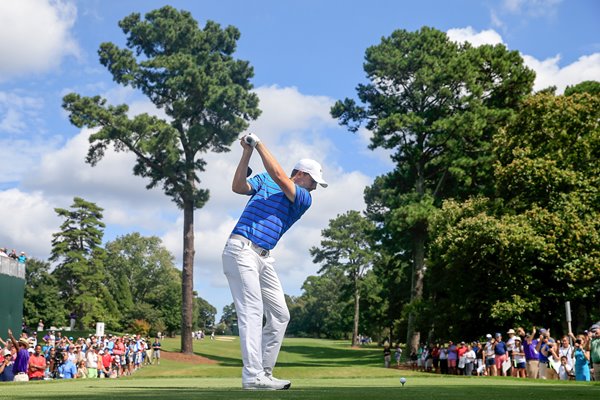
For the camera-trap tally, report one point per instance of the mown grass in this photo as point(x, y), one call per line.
point(319, 369)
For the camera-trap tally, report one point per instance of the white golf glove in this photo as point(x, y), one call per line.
point(252, 139)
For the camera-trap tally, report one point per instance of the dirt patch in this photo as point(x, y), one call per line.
point(186, 358)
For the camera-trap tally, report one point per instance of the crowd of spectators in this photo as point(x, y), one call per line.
point(535, 354)
point(62, 357)
point(21, 257)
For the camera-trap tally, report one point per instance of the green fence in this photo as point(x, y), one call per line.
point(12, 289)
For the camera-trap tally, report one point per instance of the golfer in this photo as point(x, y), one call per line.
point(276, 203)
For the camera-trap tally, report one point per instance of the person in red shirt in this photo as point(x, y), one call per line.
point(104, 363)
point(37, 365)
point(460, 351)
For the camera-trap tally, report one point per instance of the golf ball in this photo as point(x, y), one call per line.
point(403, 380)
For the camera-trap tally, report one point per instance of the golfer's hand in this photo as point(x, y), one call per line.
point(251, 139)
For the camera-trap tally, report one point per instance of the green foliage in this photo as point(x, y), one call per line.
point(204, 314)
point(80, 270)
point(346, 247)
point(517, 259)
point(41, 298)
point(591, 87)
point(436, 104)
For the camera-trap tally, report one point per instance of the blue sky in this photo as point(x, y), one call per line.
point(306, 54)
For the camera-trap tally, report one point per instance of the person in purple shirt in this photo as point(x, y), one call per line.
point(22, 360)
point(532, 357)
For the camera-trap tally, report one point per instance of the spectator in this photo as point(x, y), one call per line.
point(13, 255)
point(22, 258)
point(104, 364)
point(564, 370)
point(582, 358)
point(444, 360)
point(6, 367)
point(510, 343)
point(489, 356)
point(532, 356)
point(566, 350)
point(413, 360)
point(435, 356)
point(460, 352)
point(67, 370)
point(595, 350)
point(518, 359)
point(82, 372)
point(469, 357)
point(40, 327)
point(37, 365)
point(21, 364)
point(156, 351)
point(543, 347)
point(91, 364)
point(3, 252)
point(500, 354)
point(452, 358)
point(387, 354)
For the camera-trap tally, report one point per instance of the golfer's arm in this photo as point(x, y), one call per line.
point(276, 172)
point(240, 185)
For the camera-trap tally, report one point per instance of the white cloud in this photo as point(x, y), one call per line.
point(16, 109)
point(35, 35)
point(477, 39)
point(549, 72)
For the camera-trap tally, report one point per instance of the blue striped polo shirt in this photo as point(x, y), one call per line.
point(269, 213)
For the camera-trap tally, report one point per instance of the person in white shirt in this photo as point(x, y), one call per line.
point(518, 358)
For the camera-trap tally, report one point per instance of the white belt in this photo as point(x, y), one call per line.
point(257, 249)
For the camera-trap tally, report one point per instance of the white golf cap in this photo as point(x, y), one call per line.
point(312, 168)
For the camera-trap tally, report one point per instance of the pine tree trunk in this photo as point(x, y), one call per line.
point(187, 284)
point(356, 314)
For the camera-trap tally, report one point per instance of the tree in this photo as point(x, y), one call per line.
point(436, 104)
point(41, 299)
point(204, 314)
point(142, 276)
point(190, 74)
point(80, 270)
point(346, 246)
point(537, 243)
point(228, 321)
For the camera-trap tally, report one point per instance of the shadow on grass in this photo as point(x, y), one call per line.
point(330, 357)
point(442, 392)
point(312, 357)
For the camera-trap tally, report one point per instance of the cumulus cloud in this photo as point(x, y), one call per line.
point(477, 39)
point(35, 35)
point(549, 72)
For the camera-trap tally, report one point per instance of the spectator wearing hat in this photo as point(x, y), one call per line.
point(22, 258)
point(544, 346)
point(510, 344)
point(595, 350)
point(67, 370)
point(518, 359)
point(6, 366)
point(21, 364)
point(489, 356)
point(500, 354)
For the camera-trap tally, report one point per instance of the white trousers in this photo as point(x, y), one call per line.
point(256, 291)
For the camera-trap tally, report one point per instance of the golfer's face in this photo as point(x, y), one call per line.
point(307, 182)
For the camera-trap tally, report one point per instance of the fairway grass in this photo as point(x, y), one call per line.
point(319, 369)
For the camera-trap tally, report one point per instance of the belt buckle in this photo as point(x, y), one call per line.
point(263, 253)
